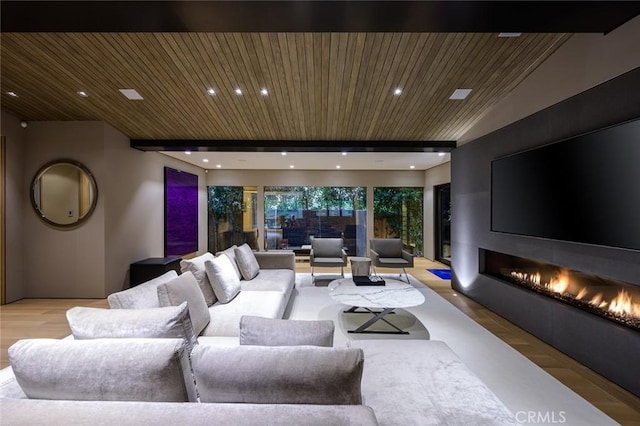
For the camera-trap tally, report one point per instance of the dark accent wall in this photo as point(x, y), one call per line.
point(605, 347)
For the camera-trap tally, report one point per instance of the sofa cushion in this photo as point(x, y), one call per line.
point(108, 413)
point(280, 332)
point(103, 369)
point(231, 254)
point(282, 280)
point(430, 385)
point(142, 296)
point(247, 262)
point(223, 278)
point(196, 267)
point(278, 375)
point(185, 288)
point(225, 318)
point(96, 323)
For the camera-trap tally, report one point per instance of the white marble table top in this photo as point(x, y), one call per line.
point(395, 294)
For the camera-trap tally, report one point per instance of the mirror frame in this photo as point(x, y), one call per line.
point(91, 178)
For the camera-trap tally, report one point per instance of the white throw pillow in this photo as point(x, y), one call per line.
point(196, 267)
point(223, 278)
point(247, 262)
point(231, 253)
point(184, 288)
point(97, 323)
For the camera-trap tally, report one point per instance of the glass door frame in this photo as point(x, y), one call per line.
point(438, 222)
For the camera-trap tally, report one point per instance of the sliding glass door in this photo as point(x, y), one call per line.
point(233, 217)
point(443, 223)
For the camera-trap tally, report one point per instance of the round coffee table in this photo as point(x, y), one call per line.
point(394, 294)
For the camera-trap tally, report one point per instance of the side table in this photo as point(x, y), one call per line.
point(147, 269)
point(360, 266)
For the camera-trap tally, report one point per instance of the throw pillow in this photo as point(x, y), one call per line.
point(96, 323)
point(231, 254)
point(185, 288)
point(104, 369)
point(247, 262)
point(278, 375)
point(223, 278)
point(196, 267)
point(142, 296)
point(279, 332)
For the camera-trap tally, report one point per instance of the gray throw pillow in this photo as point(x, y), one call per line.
point(142, 296)
point(196, 267)
point(184, 288)
point(96, 323)
point(223, 278)
point(279, 332)
point(104, 369)
point(278, 375)
point(247, 262)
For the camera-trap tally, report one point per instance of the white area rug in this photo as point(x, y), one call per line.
point(527, 390)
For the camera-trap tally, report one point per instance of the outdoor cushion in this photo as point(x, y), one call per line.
point(97, 323)
point(223, 278)
point(185, 289)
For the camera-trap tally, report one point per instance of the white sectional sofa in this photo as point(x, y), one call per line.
point(263, 291)
point(209, 347)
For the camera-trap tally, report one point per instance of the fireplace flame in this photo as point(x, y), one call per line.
point(559, 284)
point(621, 305)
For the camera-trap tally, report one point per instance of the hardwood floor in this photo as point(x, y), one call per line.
point(31, 318)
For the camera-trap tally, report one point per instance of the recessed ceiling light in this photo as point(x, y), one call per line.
point(238, 91)
point(397, 91)
point(460, 94)
point(211, 92)
point(509, 34)
point(83, 94)
point(131, 94)
point(12, 94)
point(205, 160)
point(344, 153)
point(292, 166)
point(441, 154)
point(187, 152)
point(412, 166)
point(218, 166)
point(338, 166)
point(283, 153)
point(264, 91)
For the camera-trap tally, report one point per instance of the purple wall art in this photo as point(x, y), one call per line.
point(180, 212)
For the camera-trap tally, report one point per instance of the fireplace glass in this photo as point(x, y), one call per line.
point(611, 299)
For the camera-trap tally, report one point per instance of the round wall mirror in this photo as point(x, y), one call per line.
point(64, 193)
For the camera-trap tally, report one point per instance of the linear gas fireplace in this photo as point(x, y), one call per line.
point(611, 299)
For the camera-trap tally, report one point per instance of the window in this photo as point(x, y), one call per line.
point(397, 213)
point(295, 213)
point(232, 212)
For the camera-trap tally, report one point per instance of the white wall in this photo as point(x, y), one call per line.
point(91, 260)
point(432, 177)
point(65, 262)
point(584, 61)
point(134, 219)
point(15, 206)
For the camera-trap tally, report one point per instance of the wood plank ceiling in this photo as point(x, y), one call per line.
point(321, 86)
